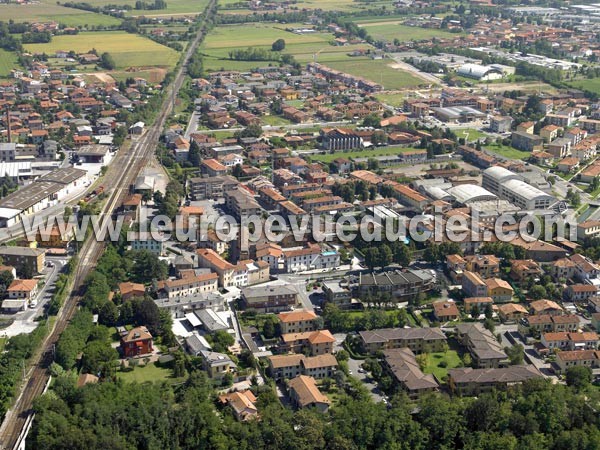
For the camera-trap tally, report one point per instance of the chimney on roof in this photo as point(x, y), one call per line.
point(8, 123)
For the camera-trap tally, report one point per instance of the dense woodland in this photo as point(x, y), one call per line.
point(157, 416)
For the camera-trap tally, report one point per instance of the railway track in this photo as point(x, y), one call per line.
point(121, 174)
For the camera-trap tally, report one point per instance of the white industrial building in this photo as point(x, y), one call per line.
point(468, 193)
point(510, 186)
point(480, 72)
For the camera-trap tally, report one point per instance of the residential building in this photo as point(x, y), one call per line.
point(24, 259)
point(402, 365)
point(468, 381)
point(526, 142)
point(289, 366)
point(499, 290)
point(242, 403)
point(304, 393)
point(419, 340)
point(577, 358)
point(312, 342)
point(522, 269)
point(546, 307)
point(473, 285)
point(136, 342)
point(298, 321)
point(130, 290)
point(512, 312)
point(190, 285)
point(271, 298)
point(217, 365)
point(445, 311)
point(397, 283)
point(480, 303)
point(146, 241)
point(585, 340)
point(485, 350)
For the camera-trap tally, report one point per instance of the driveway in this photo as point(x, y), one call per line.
point(353, 366)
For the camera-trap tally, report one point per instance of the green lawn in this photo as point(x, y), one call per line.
point(173, 7)
point(390, 30)
point(151, 372)
point(381, 151)
point(2, 344)
point(434, 359)
point(8, 61)
point(128, 50)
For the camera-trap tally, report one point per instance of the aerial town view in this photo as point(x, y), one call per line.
point(299, 224)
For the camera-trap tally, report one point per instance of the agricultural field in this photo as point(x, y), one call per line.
point(128, 50)
point(390, 30)
point(8, 61)
point(304, 48)
point(173, 7)
point(48, 10)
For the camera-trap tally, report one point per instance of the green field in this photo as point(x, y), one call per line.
point(173, 7)
point(151, 372)
point(47, 10)
point(390, 30)
point(434, 359)
point(8, 61)
point(128, 50)
point(591, 84)
point(378, 71)
point(381, 151)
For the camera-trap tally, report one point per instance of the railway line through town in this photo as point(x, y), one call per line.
point(121, 174)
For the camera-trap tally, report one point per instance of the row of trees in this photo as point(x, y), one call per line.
point(539, 415)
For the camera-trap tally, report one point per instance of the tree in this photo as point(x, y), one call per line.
point(147, 314)
point(6, 278)
point(107, 61)
point(98, 358)
point(108, 314)
point(537, 292)
point(515, 354)
point(371, 257)
point(269, 327)
point(147, 267)
point(372, 120)
point(220, 341)
point(579, 376)
point(278, 45)
point(385, 255)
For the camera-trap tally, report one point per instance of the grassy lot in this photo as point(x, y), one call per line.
point(274, 120)
point(2, 344)
point(47, 10)
point(8, 61)
point(151, 372)
point(507, 151)
point(378, 71)
point(396, 100)
point(451, 358)
point(592, 84)
point(381, 151)
point(128, 50)
point(474, 135)
point(390, 30)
